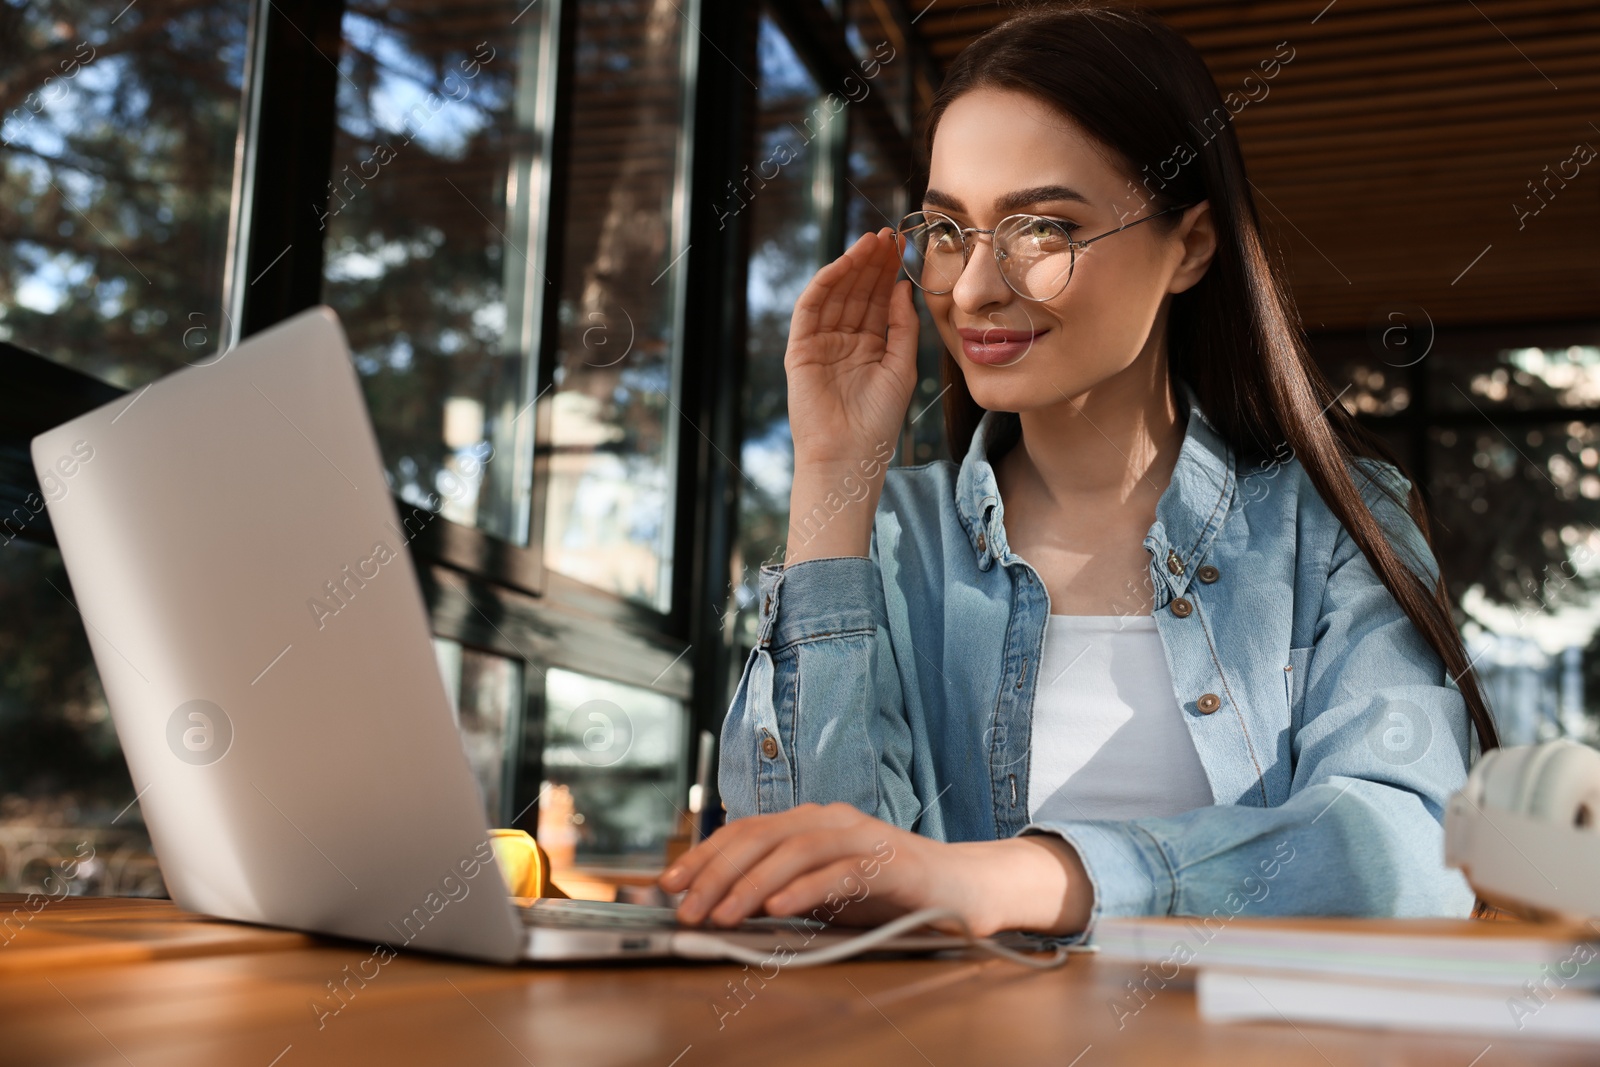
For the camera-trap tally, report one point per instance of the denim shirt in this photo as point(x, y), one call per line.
point(903, 683)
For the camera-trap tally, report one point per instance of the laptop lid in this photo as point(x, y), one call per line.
point(251, 605)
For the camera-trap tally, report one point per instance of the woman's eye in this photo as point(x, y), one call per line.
point(1049, 232)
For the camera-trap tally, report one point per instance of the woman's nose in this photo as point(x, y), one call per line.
point(981, 283)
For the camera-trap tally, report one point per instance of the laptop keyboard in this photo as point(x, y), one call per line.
point(595, 914)
point(606, 915)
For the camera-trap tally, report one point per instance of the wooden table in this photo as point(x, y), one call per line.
point(116, 982)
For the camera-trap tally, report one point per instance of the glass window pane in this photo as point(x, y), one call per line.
point(430, 247)
point(876, 194)
point(878, 197)
point(923, 87)
point(1520, 378)
point(486, 697)
point(1368, 385)
point(925, 414)
point(66, 800)
point(115, 192)
point(615, 773)
point(1526, 580)
point(880, 49)
point(786, 249)
point(614, 428)
point(1372, 372)
point(116, 181)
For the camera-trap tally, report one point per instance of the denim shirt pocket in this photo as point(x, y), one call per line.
point(1294, 684)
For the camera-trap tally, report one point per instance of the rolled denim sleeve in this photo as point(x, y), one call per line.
point(1383, 745)
point(818, 714)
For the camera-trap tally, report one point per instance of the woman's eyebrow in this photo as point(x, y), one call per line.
point(1039, 194)
point(1015, 201)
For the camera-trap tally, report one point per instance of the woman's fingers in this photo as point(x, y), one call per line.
point(725, 838)
point(823, 286)
point(796, 855)
point(738, 851)
point(803, 321)
point(709, 887)
point(682, 872)
point(877, 316)
point(832, 307)
point(728, 854)
point(852, 294)
point(842, 311)
point(900, 341)
point(859, 298)
point(838, 886)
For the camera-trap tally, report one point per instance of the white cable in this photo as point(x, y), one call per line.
point(698, 944)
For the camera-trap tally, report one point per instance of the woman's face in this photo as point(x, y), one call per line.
point(997, 153)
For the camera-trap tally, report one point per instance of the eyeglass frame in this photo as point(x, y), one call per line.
point(966, 246)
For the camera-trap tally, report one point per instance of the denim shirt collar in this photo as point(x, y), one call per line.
point(1188, 514)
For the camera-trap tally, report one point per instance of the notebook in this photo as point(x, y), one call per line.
point(1544, 1010)
point(1448, 951)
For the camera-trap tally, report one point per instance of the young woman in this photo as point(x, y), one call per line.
point(1166, 636)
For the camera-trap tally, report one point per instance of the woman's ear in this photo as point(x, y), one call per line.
point(1198, 233)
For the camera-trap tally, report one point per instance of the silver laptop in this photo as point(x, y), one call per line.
point(297, 767)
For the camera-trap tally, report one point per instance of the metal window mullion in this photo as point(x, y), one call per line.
point(539, 227)
point(677, 275)
point(714, 280)
point(284, 159)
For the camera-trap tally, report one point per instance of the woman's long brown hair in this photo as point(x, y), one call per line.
point(1136, 85)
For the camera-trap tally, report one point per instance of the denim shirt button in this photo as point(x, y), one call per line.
point(1208, 574)
point(769, 747)
point(983, 542)
point(1207, 703)
point(1174, 564)
point(1182, 608)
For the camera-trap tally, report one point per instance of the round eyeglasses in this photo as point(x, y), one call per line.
point(1036, 254)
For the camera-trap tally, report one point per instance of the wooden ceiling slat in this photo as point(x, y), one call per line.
point(1444, 21)
point(1397, 186)
point(1333, 55)
point(1496, 117)
point(949, 27)
point(1330, 85)
point(1310, 150)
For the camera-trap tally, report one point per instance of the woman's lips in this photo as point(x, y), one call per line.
point(995, 345)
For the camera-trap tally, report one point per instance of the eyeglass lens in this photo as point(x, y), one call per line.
point(1035, 255)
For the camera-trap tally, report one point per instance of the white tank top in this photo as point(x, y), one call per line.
point(1109, 740)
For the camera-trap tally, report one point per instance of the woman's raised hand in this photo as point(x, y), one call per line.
point(852, 357)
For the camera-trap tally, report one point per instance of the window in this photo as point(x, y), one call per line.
point(505, 240)
point(787, 175)
point(830, 162)
point(486, 698)
point(615, 774)
point(115, 198)
point(116, 181)
point(879, 44)
point(879, 195)
point(614, 420)
point(1501, 427)
point(430, 246)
